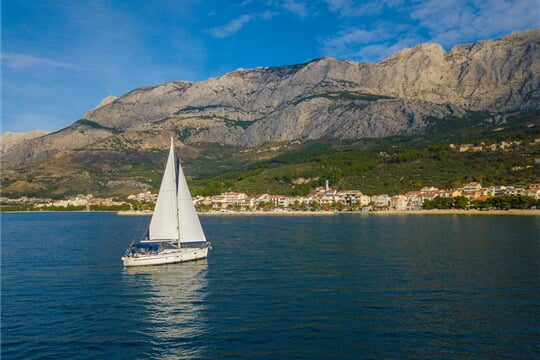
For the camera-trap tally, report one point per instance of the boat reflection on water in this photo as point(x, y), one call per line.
point(174, 307)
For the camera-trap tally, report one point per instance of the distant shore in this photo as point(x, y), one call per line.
point(457, 212)
point(331, 213)
point(244, 213)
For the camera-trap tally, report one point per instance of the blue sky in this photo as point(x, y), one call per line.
point(61, 58)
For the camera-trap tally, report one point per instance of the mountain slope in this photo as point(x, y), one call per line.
point(10, 139)
point(323, 98)
point(418, 91)
point(496, 75)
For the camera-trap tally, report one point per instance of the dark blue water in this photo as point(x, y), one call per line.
point(355, 287)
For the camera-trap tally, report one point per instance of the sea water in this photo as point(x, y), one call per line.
point(313, 287)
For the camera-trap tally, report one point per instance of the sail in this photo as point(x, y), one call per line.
point(188, 221)
point(164, 225)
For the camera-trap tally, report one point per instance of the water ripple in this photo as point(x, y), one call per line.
point(310, 288)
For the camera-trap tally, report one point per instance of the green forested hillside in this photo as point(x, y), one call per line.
point(499, 154)
point(389, 165)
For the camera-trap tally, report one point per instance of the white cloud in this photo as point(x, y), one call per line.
point(458, 21)
point(231, 28)
point(350, 8)
point(22, 62)
point(267, 15)
point(342, 6)
point(407, 24)
point(295, 7)
point(236, 25)
point(368, 45)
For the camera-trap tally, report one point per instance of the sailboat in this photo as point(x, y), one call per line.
point(175, 233)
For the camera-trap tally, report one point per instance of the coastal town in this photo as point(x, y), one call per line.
point(320, 199)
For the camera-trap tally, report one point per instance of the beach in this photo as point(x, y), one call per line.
point(458, 212)
point(330, 213)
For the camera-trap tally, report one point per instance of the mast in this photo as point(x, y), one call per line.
point(178, 213)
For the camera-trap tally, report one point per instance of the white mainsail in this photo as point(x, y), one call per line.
point(164, 224)
point(188, 222)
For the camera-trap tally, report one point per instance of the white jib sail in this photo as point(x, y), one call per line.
point(163, 225)
point(188, 221)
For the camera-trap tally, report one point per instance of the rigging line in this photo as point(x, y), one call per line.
point(138, 232)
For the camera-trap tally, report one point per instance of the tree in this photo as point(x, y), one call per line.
point(428, 205)
point(444, 203)
point(481, 204)
point(438, 203)
point(265, 205)
point(315, 206)
point(214, 187)
point(461, 202)
point(502, 202)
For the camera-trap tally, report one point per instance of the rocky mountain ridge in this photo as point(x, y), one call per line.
point(10, 139)
point(322, 98)
point(329, 97)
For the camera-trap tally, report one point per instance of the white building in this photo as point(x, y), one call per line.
point(380, 201)
point(472, 186)
point(398, 203)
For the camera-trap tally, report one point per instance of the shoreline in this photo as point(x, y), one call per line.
point(332, 213)
point(243, 213)
point(458, 212)
point(514, 212)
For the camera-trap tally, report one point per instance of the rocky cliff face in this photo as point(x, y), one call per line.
point(323, 98)
point(10, 139)
point(304, 100)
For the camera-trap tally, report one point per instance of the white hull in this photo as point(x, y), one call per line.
point(169, 256)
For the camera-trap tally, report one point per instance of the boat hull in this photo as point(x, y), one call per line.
point(172, 256)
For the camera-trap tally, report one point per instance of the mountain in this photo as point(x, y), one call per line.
point(344, 99)
point(413, 92)
point(10, 139)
